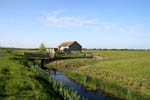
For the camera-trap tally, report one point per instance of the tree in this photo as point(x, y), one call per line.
point(42, 48)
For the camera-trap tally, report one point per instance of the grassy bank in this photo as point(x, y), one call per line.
point(123, 74)
point(19, 80)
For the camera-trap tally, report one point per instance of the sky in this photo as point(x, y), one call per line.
point(93, 23)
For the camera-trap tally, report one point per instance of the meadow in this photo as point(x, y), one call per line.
point(20, 80)
point(121, 73)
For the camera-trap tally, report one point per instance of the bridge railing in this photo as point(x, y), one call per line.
point(37, 55)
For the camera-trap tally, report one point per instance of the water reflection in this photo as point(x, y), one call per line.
point(82, 91)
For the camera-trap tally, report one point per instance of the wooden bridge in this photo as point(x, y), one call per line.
point(39, 56)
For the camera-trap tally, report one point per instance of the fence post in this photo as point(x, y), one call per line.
point(84, 55)
point(42, 63)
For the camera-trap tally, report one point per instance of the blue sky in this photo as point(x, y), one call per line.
point(93, 23)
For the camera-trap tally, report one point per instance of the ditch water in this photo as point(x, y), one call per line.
point(1, 55)
point(82, 91)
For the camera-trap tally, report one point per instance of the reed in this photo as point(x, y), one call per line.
point(20, 80)
point(61, 89)
point(123, 74)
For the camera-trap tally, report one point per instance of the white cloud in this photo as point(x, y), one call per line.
point(57, 19)
point(57, 12)
point(130, 30)
point(109, 25)
point(62, 20)
point(6, 44)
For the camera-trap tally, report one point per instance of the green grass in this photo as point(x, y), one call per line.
point(19, 80)
point(124, 74)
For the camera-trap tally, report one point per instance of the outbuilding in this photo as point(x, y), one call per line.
point(51, 50)
point(70, 47)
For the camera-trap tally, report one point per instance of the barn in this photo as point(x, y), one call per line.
point(70, 47)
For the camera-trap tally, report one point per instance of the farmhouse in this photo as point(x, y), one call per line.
point(70, 47)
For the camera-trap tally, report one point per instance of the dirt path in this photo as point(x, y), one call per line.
point(57, 62)
point(61, 61)
point(98, 57)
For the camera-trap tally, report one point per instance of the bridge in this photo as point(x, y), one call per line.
point(39, 56)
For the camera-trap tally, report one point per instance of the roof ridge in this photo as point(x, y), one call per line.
point(67, 43)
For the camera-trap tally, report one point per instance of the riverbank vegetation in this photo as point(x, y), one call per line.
point(20, 80)
point(123, 74)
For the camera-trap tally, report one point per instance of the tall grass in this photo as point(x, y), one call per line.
point(61, 89)
point(108, 86)
point(19, 80)
point(124, 74)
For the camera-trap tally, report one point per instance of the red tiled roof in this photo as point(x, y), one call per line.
point(67, 43)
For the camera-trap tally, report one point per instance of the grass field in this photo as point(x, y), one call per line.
point(17, 82)
point(20, 80)
point(124, 74)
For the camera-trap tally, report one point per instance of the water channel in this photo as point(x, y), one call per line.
point(82, 91)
